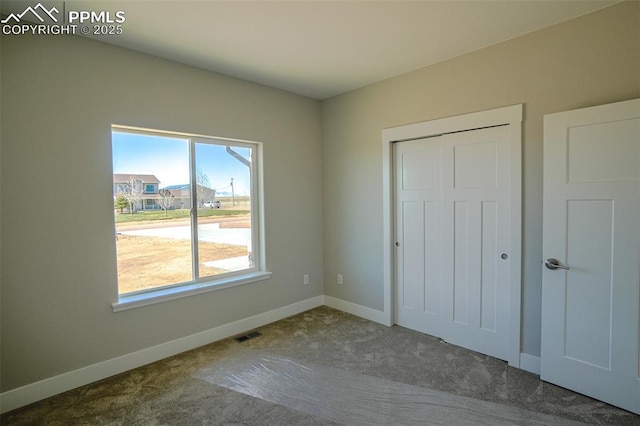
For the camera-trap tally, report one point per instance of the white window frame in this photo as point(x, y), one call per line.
point(217, 282)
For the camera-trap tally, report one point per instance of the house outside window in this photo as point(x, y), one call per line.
point(172, 238)
point(138, 189)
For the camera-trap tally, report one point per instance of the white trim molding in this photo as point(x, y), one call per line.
point(37, 391)
point(136, 300)
point(355, 309)
point(510, 115)
point(46, 388)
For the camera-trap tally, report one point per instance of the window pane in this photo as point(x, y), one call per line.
point(152, 210)
point(168, 188)
point(223, 178)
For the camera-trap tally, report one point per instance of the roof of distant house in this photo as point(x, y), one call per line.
point(126, 177)
point(186, 186)
point(174, 187)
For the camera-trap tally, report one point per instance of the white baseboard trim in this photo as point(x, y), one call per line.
point(357, 310)
point(530, 363)
point(33, 392)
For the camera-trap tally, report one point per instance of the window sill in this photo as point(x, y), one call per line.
point(126, 302)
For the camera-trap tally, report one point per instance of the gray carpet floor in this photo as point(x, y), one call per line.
point(323, 367)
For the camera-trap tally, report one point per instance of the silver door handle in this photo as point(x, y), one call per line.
point(554, 264)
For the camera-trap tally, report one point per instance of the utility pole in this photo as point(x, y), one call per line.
point(233, 195)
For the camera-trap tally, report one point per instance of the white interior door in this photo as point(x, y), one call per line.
point(476, 239)
point(590, 311)
point(453, 235)
point(418, 255)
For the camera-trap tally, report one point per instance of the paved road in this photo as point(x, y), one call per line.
point(209, 232)
point(134, 226)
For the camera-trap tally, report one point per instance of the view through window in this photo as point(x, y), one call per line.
point(183, 209)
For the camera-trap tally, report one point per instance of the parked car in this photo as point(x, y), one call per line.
point(212, 204)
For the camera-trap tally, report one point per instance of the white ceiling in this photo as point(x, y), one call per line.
point(321, 48)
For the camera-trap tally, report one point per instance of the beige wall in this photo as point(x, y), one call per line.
point(592, 60)
point(60, 96)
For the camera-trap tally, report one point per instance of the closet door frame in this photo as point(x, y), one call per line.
point(510, 115)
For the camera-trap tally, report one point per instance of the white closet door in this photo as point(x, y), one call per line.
point(418, 204)
point(476, 239)
point(453, 231)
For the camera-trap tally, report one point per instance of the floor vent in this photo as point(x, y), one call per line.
point(251, 335)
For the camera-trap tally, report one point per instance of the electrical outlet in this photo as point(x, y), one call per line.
point(306, 279)
point(340, 279)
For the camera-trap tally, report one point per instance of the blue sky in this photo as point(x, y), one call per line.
point(168, 159)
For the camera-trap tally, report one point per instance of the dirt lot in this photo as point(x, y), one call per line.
point(146, 262)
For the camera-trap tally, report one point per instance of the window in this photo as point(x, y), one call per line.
point(196, 229)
